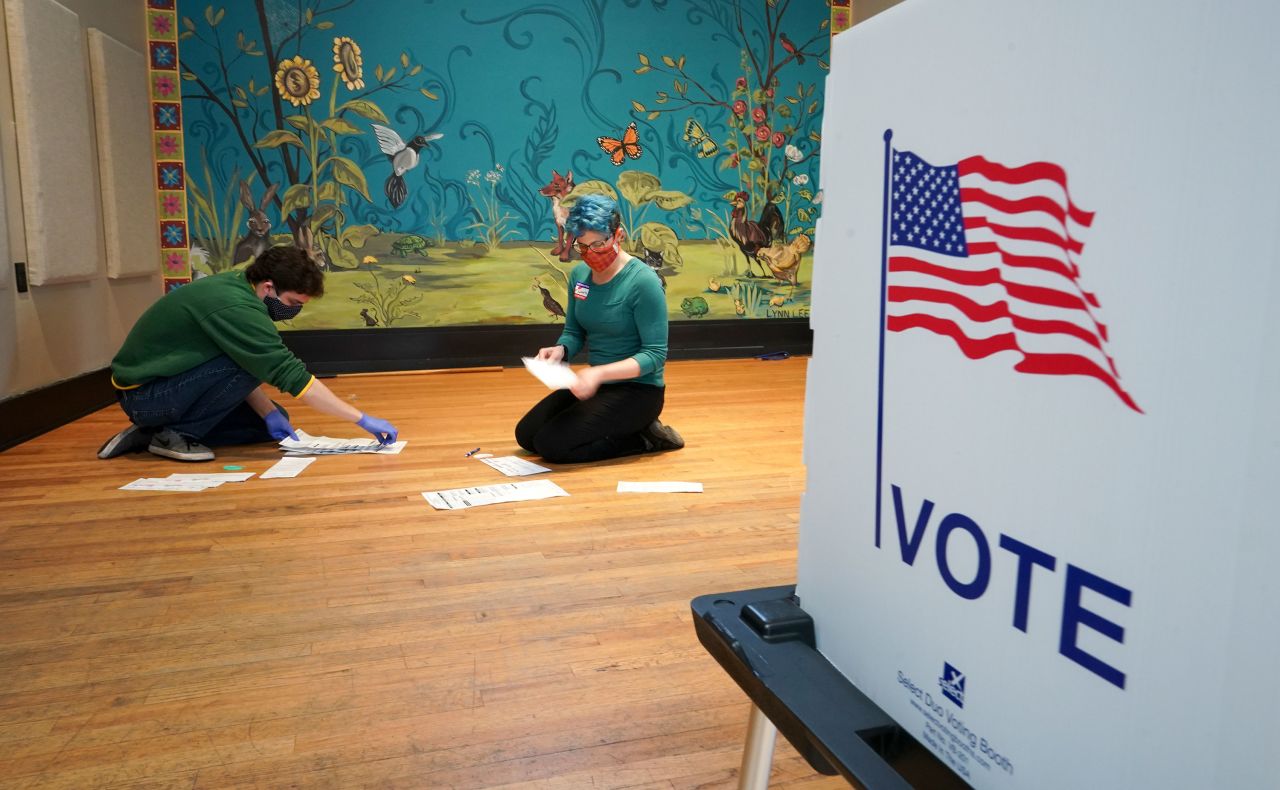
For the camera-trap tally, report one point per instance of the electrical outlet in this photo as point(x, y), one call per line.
point(20, 275)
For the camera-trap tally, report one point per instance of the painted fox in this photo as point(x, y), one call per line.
point(559, 187)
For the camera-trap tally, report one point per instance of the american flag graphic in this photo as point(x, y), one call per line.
point(986, 255)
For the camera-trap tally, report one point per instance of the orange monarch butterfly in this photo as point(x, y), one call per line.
point(628, 145)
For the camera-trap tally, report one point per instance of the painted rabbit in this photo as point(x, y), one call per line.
point(257, 240)
point(304, 240)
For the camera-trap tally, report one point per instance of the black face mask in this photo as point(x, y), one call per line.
point(278, 310)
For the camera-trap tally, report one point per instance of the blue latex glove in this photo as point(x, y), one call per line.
point(278, 426)
point(382, 430)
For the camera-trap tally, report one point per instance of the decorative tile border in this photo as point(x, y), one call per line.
point(167, 141)
point(841, 15)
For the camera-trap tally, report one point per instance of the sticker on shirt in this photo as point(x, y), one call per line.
point(580, 290)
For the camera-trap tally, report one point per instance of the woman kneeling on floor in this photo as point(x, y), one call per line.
point(615, 303)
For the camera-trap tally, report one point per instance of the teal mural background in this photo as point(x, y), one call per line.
point(521, 92)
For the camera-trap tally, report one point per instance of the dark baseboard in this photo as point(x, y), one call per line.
point(326, 353)
point(30, 414)
point(372, 350)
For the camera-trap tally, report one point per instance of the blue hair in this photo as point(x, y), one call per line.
point(594, 212)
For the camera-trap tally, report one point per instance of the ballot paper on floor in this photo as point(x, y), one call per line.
point(660, 487)
point(461, 498)
point(514, 466)
point(555, 375)
point(306, 444)
point(287, 467)
point(165, 484)
point(213, 477)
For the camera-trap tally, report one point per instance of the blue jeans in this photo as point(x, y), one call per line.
point(206, 403)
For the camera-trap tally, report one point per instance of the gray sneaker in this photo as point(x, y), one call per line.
point(658, 437)
point(133, 439)
point(171, 444)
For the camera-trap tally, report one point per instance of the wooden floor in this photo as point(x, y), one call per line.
point(333, 631)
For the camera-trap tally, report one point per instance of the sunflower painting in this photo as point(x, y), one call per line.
point(348, 63)
point(298, 81)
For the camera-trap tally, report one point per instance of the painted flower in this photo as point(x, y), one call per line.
point(779, 139)
point(298, 81)
point(167, 115)
point(758, 114)
point(171, 205)
point(348, 63)
point(817, 199)
point(762, 133)
point(793, 154)
point(174, 261)
point(769, 91)
point(160, 24)
point(473, 177)
point(494, 176)
point(165, 86)
point(733, 161)
point(173, 234)
point(369, 259)
point(801, 179)
point(170, 177)
point(167, 145)
point(742, 83)
point(162, 55)
point(739, 108)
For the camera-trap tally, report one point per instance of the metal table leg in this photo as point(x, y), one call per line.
point(757, 754)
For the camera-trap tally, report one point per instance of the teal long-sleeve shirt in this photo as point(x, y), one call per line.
point(624, 318)
point(210, 317)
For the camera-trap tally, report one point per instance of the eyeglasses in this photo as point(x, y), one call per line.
point(595, 246)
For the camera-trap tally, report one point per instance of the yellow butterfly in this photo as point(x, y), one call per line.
point(703, 144)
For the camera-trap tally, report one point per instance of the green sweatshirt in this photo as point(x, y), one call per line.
point(197, 322)
point(626, 317)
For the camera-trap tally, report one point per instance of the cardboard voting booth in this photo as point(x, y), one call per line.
point(1042, 419)
point(1042, 424)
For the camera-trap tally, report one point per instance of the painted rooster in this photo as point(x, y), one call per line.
point(751, 237)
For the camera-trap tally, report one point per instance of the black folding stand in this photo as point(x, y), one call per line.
point(765, 641)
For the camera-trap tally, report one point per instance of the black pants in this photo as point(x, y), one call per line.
point(565, 430)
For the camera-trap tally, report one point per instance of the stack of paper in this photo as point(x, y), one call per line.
point(287, 467)
point(460, 498)
point(556, 376)
point(306, 444)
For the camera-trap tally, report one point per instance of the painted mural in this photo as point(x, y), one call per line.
point(426, 152)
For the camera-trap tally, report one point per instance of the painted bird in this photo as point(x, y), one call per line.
point(789, 46)
point(403, 156)
point(548, 301)
point(368, 319)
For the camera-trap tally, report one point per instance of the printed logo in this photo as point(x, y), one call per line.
point(952, 684)
point(580, 290)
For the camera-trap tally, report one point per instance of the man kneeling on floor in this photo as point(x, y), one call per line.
point(190, 372)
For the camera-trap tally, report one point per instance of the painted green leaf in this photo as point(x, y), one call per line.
point(653, 116)
point(389, 74)
point(340, 126)
point(670, 61)
point(277, 138)
point(323, 214)
point(188, 24)
point(357, 235)
point(670, 199)
point(807, 194)
point(208, 15)
point(680, 63)
point(681, 87)
point(593, 187)
point(637, 106)
point(644, 59)
point(188, 76)
point(325, 25)
point(814, 136)
point(429, 94)
point(363, 108)
point(642, 69)
point(303, 124)
point(637, 186)
point(661, 238)
point(377, 73)
point(404, 59)
point(416, 70)
point(295, 197)
point(793, 100)
point(241, 103)
point(329, 191)
point(339, 256)
point(349, 173)
point(812, 108)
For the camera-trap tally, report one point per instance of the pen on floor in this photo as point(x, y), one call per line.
point(471, 453)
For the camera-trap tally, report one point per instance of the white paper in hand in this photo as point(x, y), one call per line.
point(556, 376)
